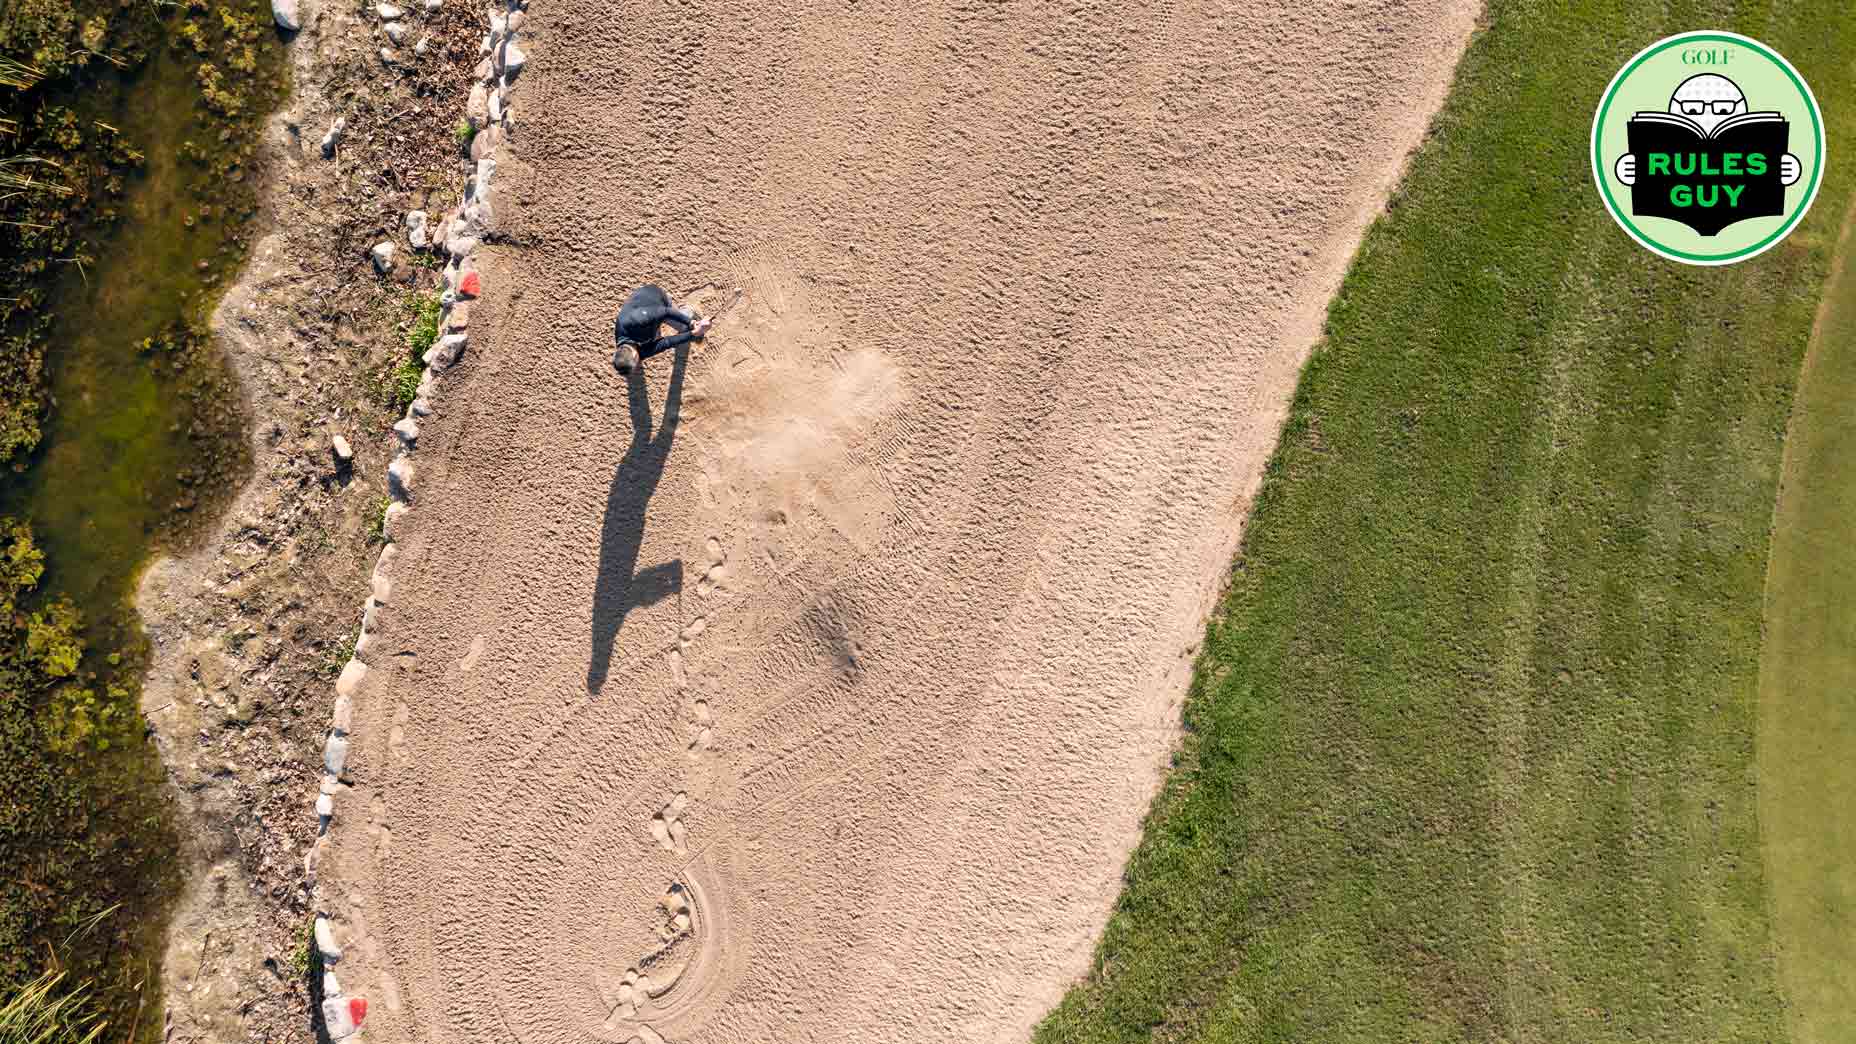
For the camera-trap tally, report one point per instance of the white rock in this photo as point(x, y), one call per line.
point(415, 228)
point(381, 587)
point(408, 431)
point(447, 351)
point(331, 986)
point(286, 14)
point(424, 45)
point(484, 45)
point(433, 5)
point(330, 784)
point(325, 941)
point(343, 718)
point(389, 12)
point(333, 138)
point(389, 56)
point(335, 753)
point(477, 108)
point(325, 805)
point(496, 106)
point(480, 185)
point(399, 481)
point(421, 407)
point(383, 256)
point(395, 512)
point(344, 453)
point(396, 31)
point(513, 58)
point(354, 672)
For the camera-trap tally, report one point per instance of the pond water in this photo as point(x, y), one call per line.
point(141, 436)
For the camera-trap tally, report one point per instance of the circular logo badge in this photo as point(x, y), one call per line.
point(1708, 147)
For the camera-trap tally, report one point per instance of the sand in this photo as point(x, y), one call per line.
point(811, 686)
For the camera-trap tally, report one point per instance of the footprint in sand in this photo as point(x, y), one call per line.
point(700, 955)
point(668, 826)
point(716, 574)
point(396, 736)
point(472, 656)
point(701, 724)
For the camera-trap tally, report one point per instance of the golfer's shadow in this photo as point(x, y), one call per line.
point(620, 587)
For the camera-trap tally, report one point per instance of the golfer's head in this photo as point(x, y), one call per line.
point(1707, 99)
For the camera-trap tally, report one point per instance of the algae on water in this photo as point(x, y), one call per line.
point(128, 131)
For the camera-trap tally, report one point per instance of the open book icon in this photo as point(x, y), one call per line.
point(1708, 180)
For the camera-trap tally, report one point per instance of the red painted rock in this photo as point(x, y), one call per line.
point(342, 1016)
point(470, 285)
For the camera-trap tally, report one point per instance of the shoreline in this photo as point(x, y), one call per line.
point(243, 628)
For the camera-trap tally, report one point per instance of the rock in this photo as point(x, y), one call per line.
point(325, 806)
point(499, 26)
point(329, 784)
point(343, 718)
point(424, 45)
point(331, 986)
point(389, 56)
point(480, 182)
point(415, 229)
point(513, 59)
point(496, 106)
point(395, 512)
point(325, 940)
point(383, 256)
point(349, 683)
point(396, 31)
point(486, 142)
point(477, 109)
point(484, 69)
point(408, 431)
point(335, 753)
point(469, 285)
point(333, 138)
point(344, 453)
point(421, 407)
point(381, 588)
point(457, 317)
point(287, 14)
point(515, 21)
point(485, 45)
point(389, 12)
point(342, 1016)
point(399, 481)
point(433, 5)
point(446, 353)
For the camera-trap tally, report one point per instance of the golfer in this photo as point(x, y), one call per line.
point(636, 327)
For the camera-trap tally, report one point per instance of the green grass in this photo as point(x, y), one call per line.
point(1807, 686)
point(43, 1011)
point(1469, 750)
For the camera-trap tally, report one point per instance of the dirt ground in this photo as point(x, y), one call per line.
point(812, 685)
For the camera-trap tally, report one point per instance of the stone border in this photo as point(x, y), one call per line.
point(459, 236)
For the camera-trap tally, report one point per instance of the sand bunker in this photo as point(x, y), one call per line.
point(811, 686)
